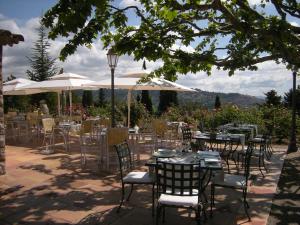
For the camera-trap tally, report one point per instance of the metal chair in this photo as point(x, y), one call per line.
point(87, 140)
point(49, 131)
point(131, 177)
point(179, 186)
point(235, 181)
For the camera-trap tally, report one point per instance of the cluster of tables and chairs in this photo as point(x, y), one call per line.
point(179, 176)
point(182, 163)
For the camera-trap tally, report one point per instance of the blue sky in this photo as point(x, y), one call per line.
point(22, 16)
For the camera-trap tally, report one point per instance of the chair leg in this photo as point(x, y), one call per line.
point(259, 166)
point(131, 189)
point(164, 214)
point(158, 210)
point(197, 211)
point(153, 193)
point(246, 205)
point(263, 162)
point(122, 198)
point(212, 198)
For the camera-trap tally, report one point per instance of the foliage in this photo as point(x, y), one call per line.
point(217, 102)
point(138, 112)
point(42, 66)
point(272, 98)
point(146, 101)
point(251, 33)
point(287, 101)
point(87, 98)
point(99, 111)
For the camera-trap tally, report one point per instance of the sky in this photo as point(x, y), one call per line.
point(22, 17)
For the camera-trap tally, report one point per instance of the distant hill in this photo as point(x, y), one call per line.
point(204, 98)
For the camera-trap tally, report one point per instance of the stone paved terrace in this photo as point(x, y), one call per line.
point(53, 189)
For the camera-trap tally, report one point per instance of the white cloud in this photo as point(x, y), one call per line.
point(269, 76)
point(125, 3)
point(256, 2)
point(93, 63)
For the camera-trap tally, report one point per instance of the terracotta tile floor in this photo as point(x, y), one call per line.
point(53, 189)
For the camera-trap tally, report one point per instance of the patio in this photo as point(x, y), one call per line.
point(53, 189)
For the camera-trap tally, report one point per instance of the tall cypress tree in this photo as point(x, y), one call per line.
point(217, 102)
point(146, 101)
point(101, 98)
point(166, 99)
point(42, 66)
point(87, 98)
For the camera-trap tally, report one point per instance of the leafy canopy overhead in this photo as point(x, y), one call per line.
point(187, 35)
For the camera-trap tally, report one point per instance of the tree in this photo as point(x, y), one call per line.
point(167, 99)
point(217, 102)
point(272, 98)
point(229, 35)
point(146, 101)
point(87, 98)
point(287, 99)
point(101, 98)
point(42, 67)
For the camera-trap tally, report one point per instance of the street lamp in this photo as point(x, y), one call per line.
point(293, 144)
point(112, 59)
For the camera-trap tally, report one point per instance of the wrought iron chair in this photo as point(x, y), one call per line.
point(179, 186)
point(128, 176)
point(235, 181)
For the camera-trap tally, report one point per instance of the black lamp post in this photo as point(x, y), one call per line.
point(112, 59)
point(293, 144)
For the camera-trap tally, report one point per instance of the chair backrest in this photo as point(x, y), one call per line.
point(116, 135)
point(186, 134)
point(86, 127)
point(178, 179)
point(159, 127)
point(105, 122)
point(124, 157)
point(33, 119)
point(12, 113)
point(247, 161)
point(48, 124)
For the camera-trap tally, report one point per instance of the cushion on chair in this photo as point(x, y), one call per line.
point(138, 177)
point(231, 180)
point(187, 201)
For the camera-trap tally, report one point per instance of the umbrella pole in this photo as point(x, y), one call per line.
point(64, 102)
point(128, 105)
point(70, 99)
point(58, 103)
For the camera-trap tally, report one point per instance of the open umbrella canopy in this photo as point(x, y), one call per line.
point(60, 82)
point(15, 87)
point(130, 83)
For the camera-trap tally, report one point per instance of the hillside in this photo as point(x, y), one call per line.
point(204, 98)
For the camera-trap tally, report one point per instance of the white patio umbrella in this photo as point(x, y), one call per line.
point(15, 87)
point(61, 82)
point(132, 83)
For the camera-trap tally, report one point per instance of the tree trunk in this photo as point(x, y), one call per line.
point(2, 129)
